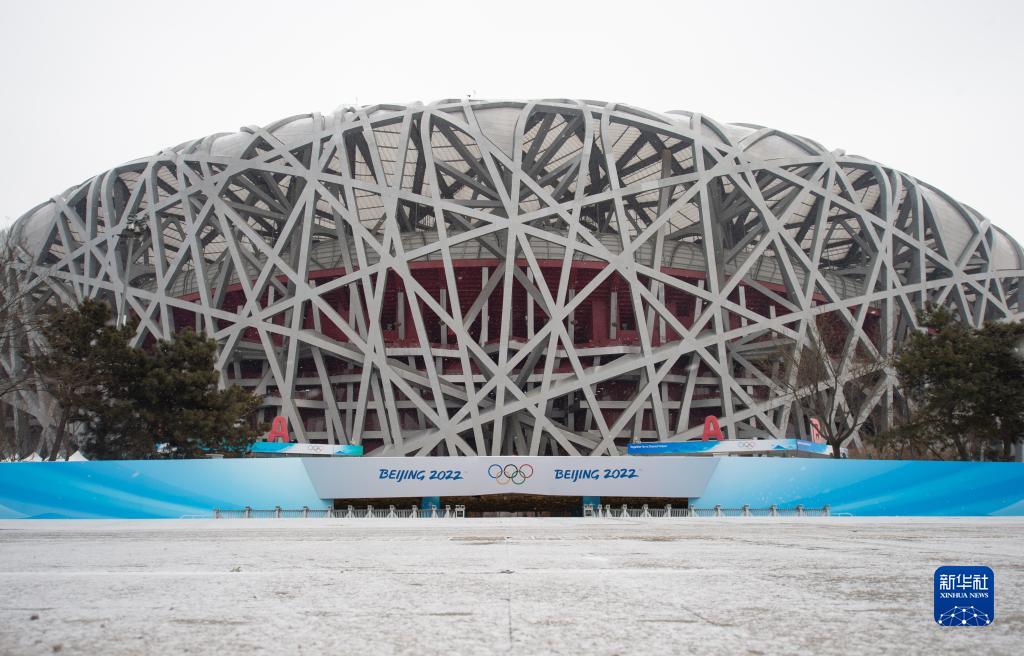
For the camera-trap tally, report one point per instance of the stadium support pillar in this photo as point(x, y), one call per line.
point(428, 503)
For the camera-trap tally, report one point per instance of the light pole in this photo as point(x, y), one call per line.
point(133, 229)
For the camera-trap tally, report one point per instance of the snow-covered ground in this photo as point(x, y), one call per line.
point(481, 586)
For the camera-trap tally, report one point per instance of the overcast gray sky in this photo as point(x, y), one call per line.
point(932, 88)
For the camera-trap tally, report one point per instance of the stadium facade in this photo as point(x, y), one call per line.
point(549, 277)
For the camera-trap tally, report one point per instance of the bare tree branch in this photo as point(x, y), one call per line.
point(832, 379)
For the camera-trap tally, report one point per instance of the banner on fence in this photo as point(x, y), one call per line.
point(305, 449)
point(718, 447)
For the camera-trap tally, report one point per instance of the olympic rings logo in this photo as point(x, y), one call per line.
point(515, 474)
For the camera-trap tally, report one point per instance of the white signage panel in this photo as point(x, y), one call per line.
point(349, 478)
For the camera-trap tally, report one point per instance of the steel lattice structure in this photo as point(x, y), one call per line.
point(548, 277)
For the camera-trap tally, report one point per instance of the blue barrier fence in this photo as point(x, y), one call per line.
point(151, 488)
point(176, 488)
point(869, 487)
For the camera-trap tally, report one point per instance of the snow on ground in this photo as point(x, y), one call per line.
point(482, 586)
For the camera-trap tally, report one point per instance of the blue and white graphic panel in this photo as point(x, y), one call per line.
point(729, 447)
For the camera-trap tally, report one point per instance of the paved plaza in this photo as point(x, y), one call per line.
point(482, 586)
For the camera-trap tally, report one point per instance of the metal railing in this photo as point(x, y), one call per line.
point(717, 511)
point(391, 512)
point(451, 512)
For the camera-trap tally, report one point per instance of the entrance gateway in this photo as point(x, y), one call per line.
point(511, 505)
point(490, 486)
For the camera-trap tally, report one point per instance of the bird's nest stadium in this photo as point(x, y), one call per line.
point(548, 277)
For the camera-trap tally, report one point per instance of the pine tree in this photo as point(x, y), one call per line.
point(183, 407)
point(965, 386)
point(138, 403)
point(82, 353)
